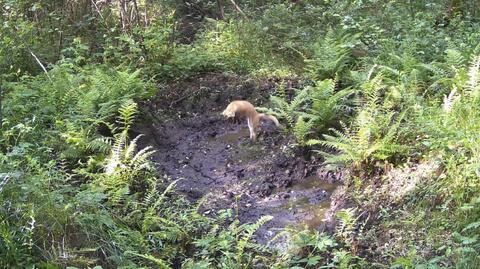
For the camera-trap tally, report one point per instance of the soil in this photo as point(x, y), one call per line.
point(214, 158)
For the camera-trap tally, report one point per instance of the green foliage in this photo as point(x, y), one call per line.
point(126, 166)
point(294, 111)
point(331, 55)
point(76, 191)
point(373, 135)
point(310, 249)
point(311, 109)
point(137, 223)
point(289, 110)
point(346, 225)
point(72, 106)
point(330, 105)
point(316, 244)
point(230, 247)
point(302, 129)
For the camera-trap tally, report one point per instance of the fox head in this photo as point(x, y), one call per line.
point(228, 113)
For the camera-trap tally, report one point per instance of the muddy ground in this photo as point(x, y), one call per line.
point(212, 157)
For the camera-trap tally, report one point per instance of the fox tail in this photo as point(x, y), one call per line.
point(270, 117)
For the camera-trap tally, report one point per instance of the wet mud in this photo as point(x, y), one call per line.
point(214, 159)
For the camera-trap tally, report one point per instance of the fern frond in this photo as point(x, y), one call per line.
point(127, 113)
point(141, 158)
point(250, 229)
point(301, 129)
point(473, 75)
point(450, 100)
point(158, 262)
point(150, 196)
point(100, 144)
point(115, 156)
point(300, 98)
point(313, 142)
point(161, 198)
point(454, 58)
point(132, 147)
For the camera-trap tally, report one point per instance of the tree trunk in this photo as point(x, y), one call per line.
point(121, 9)
point(146, 13)
point(221, 9)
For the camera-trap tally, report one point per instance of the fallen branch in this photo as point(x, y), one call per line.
point(41, 65)
point(238, 9)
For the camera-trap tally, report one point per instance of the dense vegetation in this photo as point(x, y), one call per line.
point(393, 95)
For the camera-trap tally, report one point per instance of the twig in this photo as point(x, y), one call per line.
point(41, 65)
point(98, 10)
point(178, 100)
point(122, 14)
point(238, 8)
point(100, 14)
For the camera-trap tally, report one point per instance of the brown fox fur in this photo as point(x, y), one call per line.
point(245, 109)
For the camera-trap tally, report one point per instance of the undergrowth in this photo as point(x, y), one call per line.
point(391, 96)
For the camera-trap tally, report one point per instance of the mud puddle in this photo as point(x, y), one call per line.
point(310, 198)
point(213, 158)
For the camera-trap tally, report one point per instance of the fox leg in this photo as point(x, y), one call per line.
point(252, 127)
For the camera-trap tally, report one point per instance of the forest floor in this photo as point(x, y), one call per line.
point(213, 158)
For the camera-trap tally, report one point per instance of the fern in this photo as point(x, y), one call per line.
point(250, 229)
point(454, 58)
point(100, 144)
point(472, 84)
point(289, 111)
point(152, 203)
point(450, 100)
point(331, 55)
point(132, 147)
point(158, 262)
point(329, 106)
point(127, 113)
point(346, 224)
point(125, 165)
point(116, 154)
point(372, 135)
point(301, 129)
point(320, 104)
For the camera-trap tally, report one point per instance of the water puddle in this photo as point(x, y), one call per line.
point(231, 138)
point(317, 215)
point(314, 182)
point(309, 201)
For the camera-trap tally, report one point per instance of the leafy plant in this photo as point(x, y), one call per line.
point(346, 225)
point(372, 136)
point(331, 55)
point(125, 164)
point(289, 110)
point(231, 247)
point(302, 129)
point(330, 105)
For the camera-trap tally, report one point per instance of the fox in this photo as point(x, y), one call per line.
point(244, 109)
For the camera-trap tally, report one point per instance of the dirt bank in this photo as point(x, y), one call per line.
point(213, 157)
